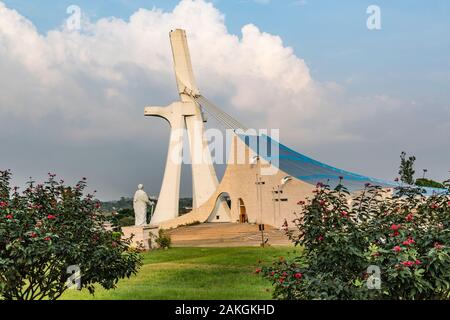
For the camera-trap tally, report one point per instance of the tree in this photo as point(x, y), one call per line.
point(405, 237)
point(406, 171)
point(48, 230)
point(423, 182)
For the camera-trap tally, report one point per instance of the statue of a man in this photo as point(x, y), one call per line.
point(140, 203)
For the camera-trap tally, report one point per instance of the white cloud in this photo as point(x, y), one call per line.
point(88, 74)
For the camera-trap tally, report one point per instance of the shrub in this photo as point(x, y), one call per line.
point(49, 228)
point(423, 182)
point(406, 236)
point(164, 240)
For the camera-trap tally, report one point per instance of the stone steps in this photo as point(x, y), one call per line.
point(226, 234)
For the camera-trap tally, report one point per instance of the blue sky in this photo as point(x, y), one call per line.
point(382, 91)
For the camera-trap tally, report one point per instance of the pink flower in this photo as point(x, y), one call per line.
point(344, 214)
point(438, 246)
point(9, 216)
point(320, 238)
point(298, 275)
point(51, 217)
point(397, 249)
point(418, 261)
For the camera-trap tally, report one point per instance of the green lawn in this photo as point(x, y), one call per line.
point(195, 273)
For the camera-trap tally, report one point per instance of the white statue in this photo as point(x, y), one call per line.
point(140, 203)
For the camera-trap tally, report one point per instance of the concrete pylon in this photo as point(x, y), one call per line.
point(184, 115)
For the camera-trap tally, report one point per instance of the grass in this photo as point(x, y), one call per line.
point(195, 273)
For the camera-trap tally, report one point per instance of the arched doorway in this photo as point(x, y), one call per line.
point(221, 211)
point(243, 218)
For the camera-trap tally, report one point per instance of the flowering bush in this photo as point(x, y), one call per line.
point(50, 227)
point(346, 238)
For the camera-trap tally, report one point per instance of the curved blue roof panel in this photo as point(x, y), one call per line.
point(312, 171)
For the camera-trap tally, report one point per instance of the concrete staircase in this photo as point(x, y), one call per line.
point(226, 235)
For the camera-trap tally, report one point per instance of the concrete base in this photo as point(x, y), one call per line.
point(143, 237)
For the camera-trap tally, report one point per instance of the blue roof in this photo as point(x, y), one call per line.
point(312, 171)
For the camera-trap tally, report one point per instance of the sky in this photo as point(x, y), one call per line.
point(72, 102)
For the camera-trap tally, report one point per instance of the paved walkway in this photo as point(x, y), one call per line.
point(226, 235)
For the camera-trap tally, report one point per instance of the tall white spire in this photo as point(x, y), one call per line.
point(184, 115)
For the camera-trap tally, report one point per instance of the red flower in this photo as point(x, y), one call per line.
point(376, 254)
point(344, 214)
point(9, 216)
point(320, 238)
point(434, 206)
point(395, 227)
point(298, 275)
point(396, 233)
point(407, 263)
point(448, 203)
point(47, 238)
point(3, 204)
point(409, 217)
point(397, 249)
point(418, 261)
point(51, 217)
point(408, 242)
point(272, 273)
point(33, 235)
